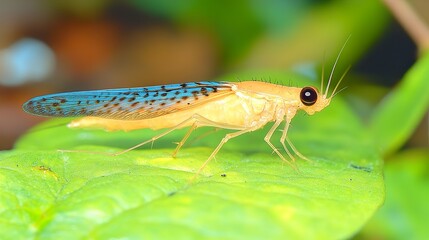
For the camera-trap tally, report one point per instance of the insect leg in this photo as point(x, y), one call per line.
point(143, 143)
point(188, 134)
point(267, 140)
point(295, 150)
point(224, 140)
point(191, 129)
point(284, 138)
point(198, 121)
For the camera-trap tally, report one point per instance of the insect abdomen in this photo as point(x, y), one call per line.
point(232, 111)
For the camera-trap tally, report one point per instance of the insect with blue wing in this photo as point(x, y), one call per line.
point(243, 106)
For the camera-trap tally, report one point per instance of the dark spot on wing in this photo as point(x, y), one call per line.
point(204, 91)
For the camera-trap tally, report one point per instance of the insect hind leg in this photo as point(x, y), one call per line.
point(196, 120)
point(188, 133)
point(151, 140)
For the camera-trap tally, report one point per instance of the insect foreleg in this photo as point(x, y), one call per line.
point(295, 150)
point(284, 138)
point(267, 140)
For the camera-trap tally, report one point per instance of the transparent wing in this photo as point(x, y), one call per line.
point(128, 103)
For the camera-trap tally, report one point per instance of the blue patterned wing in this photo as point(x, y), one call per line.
point(128, 103)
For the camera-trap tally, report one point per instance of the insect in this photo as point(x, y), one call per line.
point(242, 106)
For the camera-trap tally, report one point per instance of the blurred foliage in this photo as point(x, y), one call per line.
point(266, 29)
point(405, 212)
point(407, 104)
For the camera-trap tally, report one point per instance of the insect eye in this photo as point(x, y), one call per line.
point(308, 96)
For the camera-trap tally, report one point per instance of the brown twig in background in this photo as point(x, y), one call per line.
point(417, 29)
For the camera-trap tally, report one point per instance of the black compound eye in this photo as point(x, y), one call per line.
point(308, 96)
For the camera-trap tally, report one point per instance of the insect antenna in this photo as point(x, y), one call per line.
point(333, 68)
point(333, 95)
point(338, 84)
point(323, 75)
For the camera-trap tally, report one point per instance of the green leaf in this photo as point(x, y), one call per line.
point(247, 192)
point(404, 214)
point(397, 116)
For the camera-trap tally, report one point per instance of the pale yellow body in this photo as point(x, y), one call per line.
point(250, 104)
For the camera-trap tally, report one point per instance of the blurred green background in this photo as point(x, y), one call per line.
point(51, 46)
